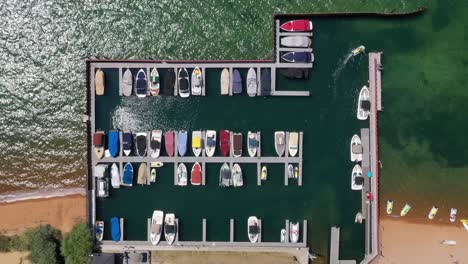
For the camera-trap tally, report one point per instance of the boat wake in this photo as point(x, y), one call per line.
point(336, 74)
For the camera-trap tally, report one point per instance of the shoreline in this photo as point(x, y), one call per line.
point(40, 194)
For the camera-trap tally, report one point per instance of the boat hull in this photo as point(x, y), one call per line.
point(280, 139)
point(170, 228)
point(293, 143)
point(253, 229)
point(127, 83)
point(251, 82)
point(364, 95)
point(252, 144)
point(197, 81)
point(141, 84)
point(225, 80)
point(182, 175)
point(196, 177)
point(224, 142)
point(356, 149)
point(169, 143)
point(156, 226)
point(183, 83)
point(297, 25)
point(99, 83)
point(210, 143)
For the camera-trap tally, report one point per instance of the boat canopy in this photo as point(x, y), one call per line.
point(211, 142)
point(253, 229)
point(154, 144)
point(183, 85)
point(128, 174)
point(253, 142)
point(365, 104)
point(127, 141)
point(98, 139)
point(359, 180)
point(357, 149)
point(115, 229)
point(113, 143)
point(170, 229)
point(196, 142)
point(141, 142)
point(100, 170)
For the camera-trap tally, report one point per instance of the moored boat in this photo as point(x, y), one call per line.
point(297, 25)
point(196, 177)
point(183, 83)
point(358, 218)
point(356, 149)
point(224, 142)
point(236, 175)
point(405, 210)
point(236, 82)
point(357, 180)
point(153, 174)
point(210, 142)
point(294, 232)
point(290, 171)
point(169, 82)
point(266, 82)
point(253, 229)
point(252, 82)
point(295, 73)
point(156, 226)
point(252, 143)
point(155, 143)
point(363, 108)
point(154, 82)
point(225, 177)
point(465, 223)
point(182, 175)
point(296, 172)
point(296, 41)
point(237, 144)
point(99, 230)
point(169, 143)
point(389, 206)
point(115, 229)
point(113, 142)
point(298, 57)
point(196, 142)
point(115, 176)
point(264, 173)
point(99, 83)
point(283, 236)
point(170, 228)
point(141, 84)
point(197, 81)
point(141, 142)
point(225, 80)
point(280, 145)
point(358, 50)
point(453, 214)
point(127, 83)
point(127, 142)
point(182, 138)
point(142, 174)
point(127, 176)
point(433, 212)
point(293, 143)
point(99, 142)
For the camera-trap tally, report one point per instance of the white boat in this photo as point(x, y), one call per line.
point(155, 143)
point(252, 143)
point(99, 230)
point(154, 82)
point(210, 142)
point(236, 175)
point(153, 175)
point(389, 206)
point(449, 242)
point(127, 83)
point(453, 214)
point(358, 218)
point(283, 236)
point(290, 171)
point(141, 84)
point(293, 146)
point(358, 50)
point(356, 149)
point(225, 81)
point(296, 41)
point(252, 82)
point(465, 223)
point(405, 210)
point(357, 180)
point(294, 232)
point(156, 164)
point(170, 228)
point(363, 107)
point(433, 212)
point(197, 81)
point(280, 139)
point(183, 83)
point(156, 226)
point(182, 175)
point(253, 229)
point(196, 142)
point(115, 176)
point(264, 175)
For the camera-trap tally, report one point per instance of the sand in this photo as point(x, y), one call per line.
point(186, 257)
point(14, 258)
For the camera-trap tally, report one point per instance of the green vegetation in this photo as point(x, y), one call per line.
point(77, 245)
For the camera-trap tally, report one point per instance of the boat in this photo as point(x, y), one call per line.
point(225, 177)
point(99, 142)
point(465, 223)
point(210, 142)
point(363, 108)
point(358, 218)
point(236, 82)
point(280, 142)
point(294, 232)
point(225, 80)
point(115, 229)
point(113, 139)
point(197, 81)
point(156, 226)
point(295, 73)
point(155, 143)
point(169, 82)
point(405, 210)
point(141, 84)
point(170, 228)
point(153, 175)
point(115, 176)
point(453, 214)
point(141, 142)
point(358, 50)
point(298, 57)
point(224, 142)
point(356, 149)
point(127, 143)
point(293, 143)
point(449, 242)
point(253, 229)
point(169, 143)
point(252, 82)
point(154, 82)
point(252, 143)
point(196, 142)
point(127, 177)
point(182, 138)
point(296, 41)
point(296, 172)
point(183, 83)
point(357, 180)
point(297, 25)
point(99, 230)
point(283, 236)
point(264, 173)
point(100, 170)
point(290, 171)
point(182, 175)
point(433, 212)
point(266, 82)
point(99, 82)
point(156, 164)
point(196, 178)
point(142, 174)
point(237, 144)
point(389, 206)
point(127, 83)
point(236, 175)
point(102, 187)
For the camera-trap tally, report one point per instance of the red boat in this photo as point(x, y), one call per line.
point(297, 25)
point(169, 143)
point(224, 140)
point(196, 174)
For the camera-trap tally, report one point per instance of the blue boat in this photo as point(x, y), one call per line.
point(115, 229)
point(266, 82)
point(127, 143)
point(127, 178)
point(182, 137)
point(236, 82)
point(113, 143)
point(301, 56)
point(141, 84)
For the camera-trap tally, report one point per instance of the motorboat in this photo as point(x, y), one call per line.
point(356, 149)
point(237, 144)
point(102, 187)
point(280, 140)
point(169, 143)
point(252, 82)
point(296, 41)
point(236, 175)
point(156, 164)
point(127, 83)
point(225, 81)
point(127, 143)
point(264, 173)
point(197, 142)
point(290, 171)
point(294, 232)
point(465, 223)
point(296, 172)
point(358, 218)
point(127, 176)
point(169, 82)
point(293, 143)
point(99, 142)
point(115, 229)
point(153, 175)
point(357, 180)
point(156, 226)
point(453, 214)
point(236, 82)
point(182, 175)
point(283, 236)
point(298, 57)
point(224, 142)
point(141, 142)
point(100, 170)
point(358, 50)
point(142, 174)
point(297, 25)
point(170, 228)
point(155, 143)
point(99, 83)
point(210, 142)
point(182, 138)
point(389, 207)
point(433, 212)
point(405, 210)
point(197, 81)
point(266, 82)
point(99, 230)
point(363, 108)
point(253, 229)
point(115, 176)
point(141, 84)
point(252, 143)
point(154, 82)
point(225, 177)
point(113, 139)
point(183, 83)
point(295, 73)
point(196, 178)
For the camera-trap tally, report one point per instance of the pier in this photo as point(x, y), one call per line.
point(334, 248)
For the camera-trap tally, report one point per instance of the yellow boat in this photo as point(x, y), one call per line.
point(264, 173)
point(358, 50)
point(465, 223)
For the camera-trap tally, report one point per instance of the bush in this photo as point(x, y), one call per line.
point(77, 245)
point(44, 245)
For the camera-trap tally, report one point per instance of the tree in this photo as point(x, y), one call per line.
point(44, 245)
point(77, 245)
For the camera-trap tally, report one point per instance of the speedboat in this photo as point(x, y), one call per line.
point(99, 142)
point(358, 218)
point(237, 144)
point(237, 179)
point(197, 81)
point(156, 164)
point(115, 229)
point(225, 80)
point(252, 82)
point(169, 82)
point(196, 178)
point(127, 143)
point(453, 214)
point(127, 177)
point(433, 212)
point(236, 82)
point(156, 226)
point(297, 25)
point(100, 170)
point(113, 139)
point(169, 143)
point(170, 228)
point(298, 57)
point(283, 236)
point(266, 82)
point(252, 143)
point(294, 232)
point(280, 142)
point(293, 143)
point(182, 138)
point(264, 173)
point(99, 230)
point(142, 174)
point(182, 175)
point(225, 177)
point(253, 229)
point(102, 187)
point(465, 223)
point(99, 82)
point(358, 50)
point(141, 84)
point(290, 171)
point(153, 174)
point(127, 83)
point(405, 210)
point(196, 142)
point(389, 206)
point(141, 141)
point(155, 143)
point(356, 149)
point(363, 108)
point(296, 172)
point(224, 142)
point(115, 176)
point(154, 82)
point(184, 83)
point(357, 181)
point(296, 41)
point(210, 142)
point(295, 73)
